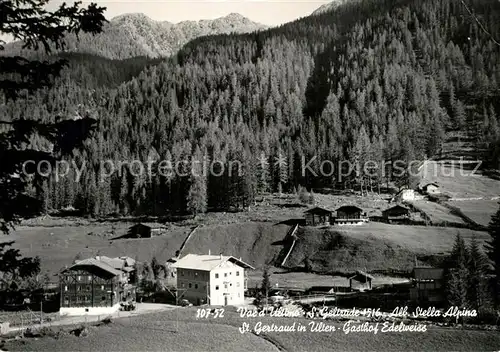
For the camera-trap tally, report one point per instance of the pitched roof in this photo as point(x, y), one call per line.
point(361, 275)
point(92, 262)
point(352, 208)
point(152, 225)
point(207, 262)
point(430, 184)
point(427, 273)
point(318, 210)
point(396, 207)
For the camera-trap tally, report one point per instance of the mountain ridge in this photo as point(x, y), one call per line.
point(135, 34)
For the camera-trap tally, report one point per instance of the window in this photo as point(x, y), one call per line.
point(182, 273)
point(79, 278)
point(225, 285)
point(102, 287)
point(230, 273)
point(103, 298)
point(216, 276)
point(237, 273)
point(182, 285)
point(189, 285)
point(216, 287)
point(195, 274)
point(90, 278)
point(65, 288)
point(196, 286)
point(225, 274)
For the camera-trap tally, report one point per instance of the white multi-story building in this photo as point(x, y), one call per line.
point(216, 280)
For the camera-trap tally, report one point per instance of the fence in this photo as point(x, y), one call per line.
point(27, 319)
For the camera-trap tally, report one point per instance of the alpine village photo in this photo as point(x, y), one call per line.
point(250, 175)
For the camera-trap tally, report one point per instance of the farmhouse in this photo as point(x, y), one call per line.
point(349, 215)
point(96, 286)
point(360, 281)
point(431, 188)
point(405, 195)
point(146, 230)
point(428, 285)
point(397, 213)
point(318, 216)
point(213, 279)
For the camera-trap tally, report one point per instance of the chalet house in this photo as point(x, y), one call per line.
point(96, 286)
point(146, 230)
point(429, 285)
point(431, 188)
point(318, 216)
point(350, 215)
point(360, 281)
point(216, 280)
point(397, 213)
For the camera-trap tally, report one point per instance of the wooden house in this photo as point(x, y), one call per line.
point(430, 188)
point(429, 285)
point(397, 213)
point(146, 230)
point(318, 216)
point(350, 215)
point(94, 286)
point(360, 281)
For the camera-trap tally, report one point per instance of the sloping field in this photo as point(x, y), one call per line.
point(437, 213)
point(58, 246)
point(479, 211)
point(420, 239)
point(373, 246)
point(475, 194)
point(252, 241)
point(162, 332)
point(459, 181)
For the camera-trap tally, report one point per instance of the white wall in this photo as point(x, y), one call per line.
point(229, 284)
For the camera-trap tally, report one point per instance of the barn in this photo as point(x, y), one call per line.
point(146, 230)
point(396, 213)
point(350, 215)
point(360, 281)
point(318, 216)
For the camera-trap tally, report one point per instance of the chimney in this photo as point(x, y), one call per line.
point(209, 252)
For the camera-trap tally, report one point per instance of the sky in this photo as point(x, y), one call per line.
point(268, 12)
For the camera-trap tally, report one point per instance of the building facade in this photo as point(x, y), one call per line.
point(215, 280)
point(93, 286)
point(350, 215)
point(397, 213)
point(428, 285)
point(318, 216)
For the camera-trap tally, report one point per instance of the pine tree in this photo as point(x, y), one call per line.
point(266, 282)
point(494, 253)
point(478, 292)
point(457, 274)
point(312, 198)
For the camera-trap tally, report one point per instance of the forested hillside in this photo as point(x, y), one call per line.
point(379, 80)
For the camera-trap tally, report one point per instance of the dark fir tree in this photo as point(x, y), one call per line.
point(494, 253)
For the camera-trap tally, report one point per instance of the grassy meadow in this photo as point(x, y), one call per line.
point(180, 330)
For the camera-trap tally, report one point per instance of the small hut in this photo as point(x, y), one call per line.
point(318, 216)
point(360, 281)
